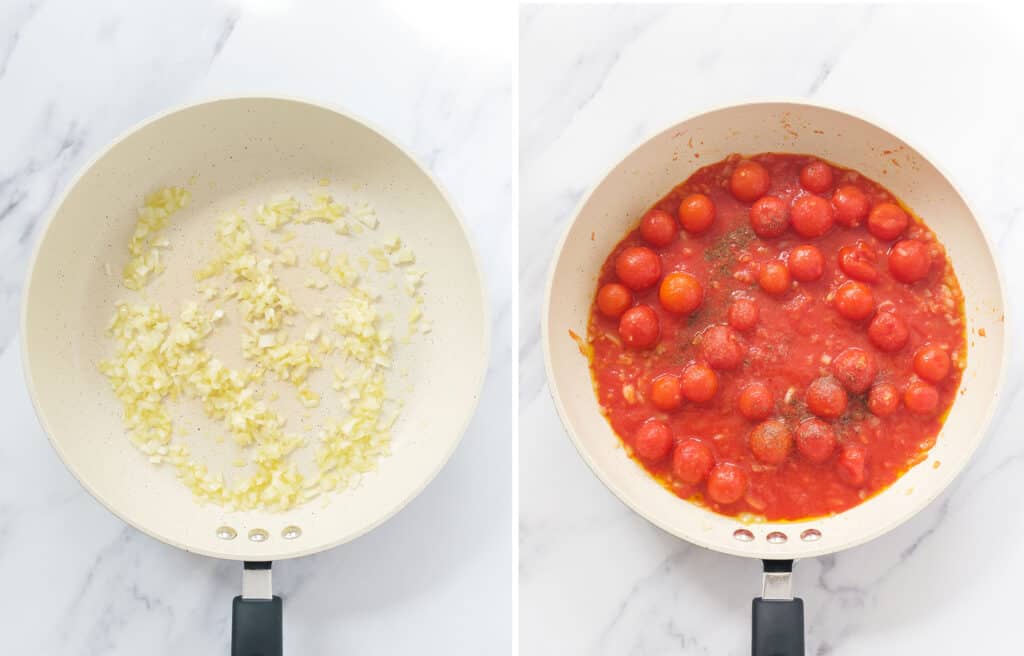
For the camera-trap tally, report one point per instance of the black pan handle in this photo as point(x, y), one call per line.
point(256, 615)
point(778, 617)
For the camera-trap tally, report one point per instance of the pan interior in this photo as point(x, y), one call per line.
point(226, 153)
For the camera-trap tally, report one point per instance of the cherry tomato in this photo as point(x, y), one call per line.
point(638, 267)
point(769, 217)
point(887, 221)
point(771, 442)
point(888, 332)
point(744, 313)
point(883, 399)
point(749, 181)
point(921, 398)
point(931, 362)
point(680, 293)
point(667, 392)
point(639, 327)
point(854, 300)
point(658, 228)
point(852, 464)
point(811, 216)
point(858, 262)
point(806, 263)
point(815, 440)
point(816, 177)
point(851, 205)
point(909, 260)
point(755, 401)
point(774, 277)
point(699, 383)
point(691, 461)
point(855, 369)
point(696, 213)
point(727, 483)
point(653, 440)
point(613, 299)
point(722, 347)
point(826, 398)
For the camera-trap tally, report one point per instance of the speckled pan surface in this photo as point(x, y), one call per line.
point(667, 159)
point(227, 151)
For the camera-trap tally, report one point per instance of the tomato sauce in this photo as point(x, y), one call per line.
point(761, 419)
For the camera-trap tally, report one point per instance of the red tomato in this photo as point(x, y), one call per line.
point(691, 461)
point(639, 327)
point(613, 299)
point(826, 398)
point(883, 399)
point(931, 362)
point(852, 464)
point(815, 440)
point(858, 262)
point(887, 221)
point(653, 440)
point(680, 293)
point(854, 300)
point(909, 260)
point(888, 332)
point(658, 228)
point(638, 267)
point(816, 177)
point(769, 217)
point(749, 181)
point(771, 442)
point(699, 383)
point(811, 216)
point(743, 313)
point(755, 401)
point(856, 369)
point(774, 277)
point(806, 263)
point(667, 392)
point(851, 205)
point(696, 213)
point(727, 483)
point(722, 347)
point(921, 398)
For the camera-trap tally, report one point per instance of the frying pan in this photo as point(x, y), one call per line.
point(614, 206)
point(226, 152)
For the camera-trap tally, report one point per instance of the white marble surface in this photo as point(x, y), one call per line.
point(596, 579)
point(437, 579)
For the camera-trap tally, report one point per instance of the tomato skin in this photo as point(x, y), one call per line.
point(639, 327)
point(851, 205)
point(769, 217)
point(888, 332)
point(613, 299)
point(816, 177)
point(696, 213)
point(722, 347)
point(854, 300)
point(815, 440)
point(749, 181)
point(652, 441)
point(755, 401)
point(667, 392)
point(858, 262)
point(658, 228)
point(699, 383)
point(921, 398)
point(680, 293)
point(638, 267)
point(727, 483)
point(909, 260)
point(811, 216)
point(771, 441)
point(887, 221)
point(691, 461)
point(744, 313)
point(883, 399)
point(826, 398)
point(806, 263)
point(855, 369)
point(774, 277)
point(931, 363)
point(852, 464)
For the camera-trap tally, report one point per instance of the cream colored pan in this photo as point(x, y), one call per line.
point(614, 207)
point(226, 152)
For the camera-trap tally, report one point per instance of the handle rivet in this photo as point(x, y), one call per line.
point(226, 533)
point(258, 535)
point(291, 532)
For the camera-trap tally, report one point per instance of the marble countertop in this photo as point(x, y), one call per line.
point(437, 579)
point(594, 577)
